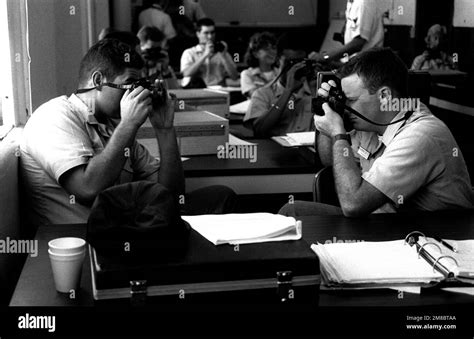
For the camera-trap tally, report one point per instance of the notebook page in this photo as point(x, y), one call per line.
point(302, 138)
point(243, 228)
point(374, 262)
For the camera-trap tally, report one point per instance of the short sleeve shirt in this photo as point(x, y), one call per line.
point(364, 19)
point(296, 117)
point(212, 70)
point(417, 164)
point(156, 17)
point(62, 134)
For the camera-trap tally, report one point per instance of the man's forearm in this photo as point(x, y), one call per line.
point(347, 175)
point(104, 169)
point(171, 169)
point(354, 46)
point(192, 69)
point(264, 123)
point(324, 146)
point(230, 66)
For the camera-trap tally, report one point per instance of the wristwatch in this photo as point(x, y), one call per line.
point(343, 136)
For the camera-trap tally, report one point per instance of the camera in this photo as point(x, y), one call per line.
point(309, 69)
point(219, 46)
point(157, 89)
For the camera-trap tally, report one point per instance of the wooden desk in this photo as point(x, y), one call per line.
point(36, 286)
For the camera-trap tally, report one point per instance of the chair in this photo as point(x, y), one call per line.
point(324, 190)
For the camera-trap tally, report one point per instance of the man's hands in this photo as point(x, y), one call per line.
point(291, 83)
point(331, 123)
point(209, 49)
point(162, 117)
point(135, 106)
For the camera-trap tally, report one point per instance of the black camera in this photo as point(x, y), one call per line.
point(156, 87)
point(219, 47)
point(309, 70)
point(153, 54)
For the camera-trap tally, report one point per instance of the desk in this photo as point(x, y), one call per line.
point(36, 286)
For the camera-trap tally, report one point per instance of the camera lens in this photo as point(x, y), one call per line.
point(219, 47)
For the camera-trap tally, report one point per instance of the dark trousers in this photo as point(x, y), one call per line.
point(209, 200)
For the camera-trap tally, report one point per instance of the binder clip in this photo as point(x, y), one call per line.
point(412, 237)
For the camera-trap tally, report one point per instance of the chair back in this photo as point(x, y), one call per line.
point(324, 190)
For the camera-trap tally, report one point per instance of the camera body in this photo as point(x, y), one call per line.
point(157, 89)
point(219, 47)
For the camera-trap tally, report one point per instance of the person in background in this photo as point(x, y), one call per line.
point(124, 36)
point(207, 64)
point(261, 57)
point(435, 56)
point(363, 30)
point(154, 15)
point(402, 161)
point(284, 106)
point(154, 54)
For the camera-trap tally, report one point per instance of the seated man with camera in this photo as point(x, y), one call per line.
point(398, 158)
point(75, 147)
point(209, 62)
point(284, 106)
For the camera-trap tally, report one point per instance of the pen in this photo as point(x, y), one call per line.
point(445, 244)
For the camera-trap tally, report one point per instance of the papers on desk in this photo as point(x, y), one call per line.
point(245, 228)
point(296, 139)
point(226, 88)
point(240, 108)
point(392, 263)
point(233, 140)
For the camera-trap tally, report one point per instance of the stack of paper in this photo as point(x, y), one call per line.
point(240, 108)
point(368, 263)
point(296, 139)
point(245, 228)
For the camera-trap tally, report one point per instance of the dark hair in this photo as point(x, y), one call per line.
point(204, 22)
point(111, 57)
point(150, 33)
point(378, 67)
point(257, 42)
point(125, 37)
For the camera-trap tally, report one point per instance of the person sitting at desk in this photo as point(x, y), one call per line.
point(75, 147)
point(261, 57)
point(404, 159)
point(207, 64)
point(434, 57)
point(155, 56)
point(283, 106)
point(154, 15)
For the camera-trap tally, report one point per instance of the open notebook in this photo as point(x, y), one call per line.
point(392, 263)
point(245, 228)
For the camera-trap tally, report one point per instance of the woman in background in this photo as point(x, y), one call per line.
point(261, 57)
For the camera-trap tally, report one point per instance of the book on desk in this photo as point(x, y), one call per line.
point(415, 261)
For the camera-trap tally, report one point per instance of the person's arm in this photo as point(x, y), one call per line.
point(189, 69)
point(229, 65)
point(357, 196)
point(102, 170)
point(171, 169)
point(324, 146)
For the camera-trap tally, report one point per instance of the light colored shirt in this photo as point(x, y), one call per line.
point(364, 19)
point(212, 70)
point(193, 10)
point(156, 17)
point(63, 133)
point(425, 62)
point(253, 78)
point(296, 116)
point(417, 164)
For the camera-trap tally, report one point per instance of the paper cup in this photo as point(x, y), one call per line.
point(67, 269)
point(67, 245)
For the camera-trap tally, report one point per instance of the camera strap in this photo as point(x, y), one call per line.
point(353, 111)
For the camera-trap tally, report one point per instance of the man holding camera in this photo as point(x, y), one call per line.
point(395, 159)
point(285, 105)
point(75, 147)
point(209, 62)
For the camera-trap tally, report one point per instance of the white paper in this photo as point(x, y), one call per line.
point(302, 138)
point(244, 228)
point(233, 140)
point(240, 108)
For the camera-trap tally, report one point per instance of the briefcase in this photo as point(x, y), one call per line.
point(264, 273)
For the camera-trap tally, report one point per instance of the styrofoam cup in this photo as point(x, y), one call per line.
point(68, 245)
point(67, 269)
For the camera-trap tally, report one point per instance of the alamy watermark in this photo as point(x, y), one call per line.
point(335, 240)
point(400, 104)
point(15, 246)
point(228, 151)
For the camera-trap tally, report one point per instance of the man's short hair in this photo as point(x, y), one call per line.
point(111, 57)
point(124, 36)
point(204, 22)
point(378, 67)
point(150, 33)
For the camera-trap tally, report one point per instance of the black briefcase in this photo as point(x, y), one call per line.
point(273, 272)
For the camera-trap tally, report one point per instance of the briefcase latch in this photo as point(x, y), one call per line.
point(138, 291)
point(285, 283)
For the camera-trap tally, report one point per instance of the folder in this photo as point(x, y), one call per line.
point(417, 260)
